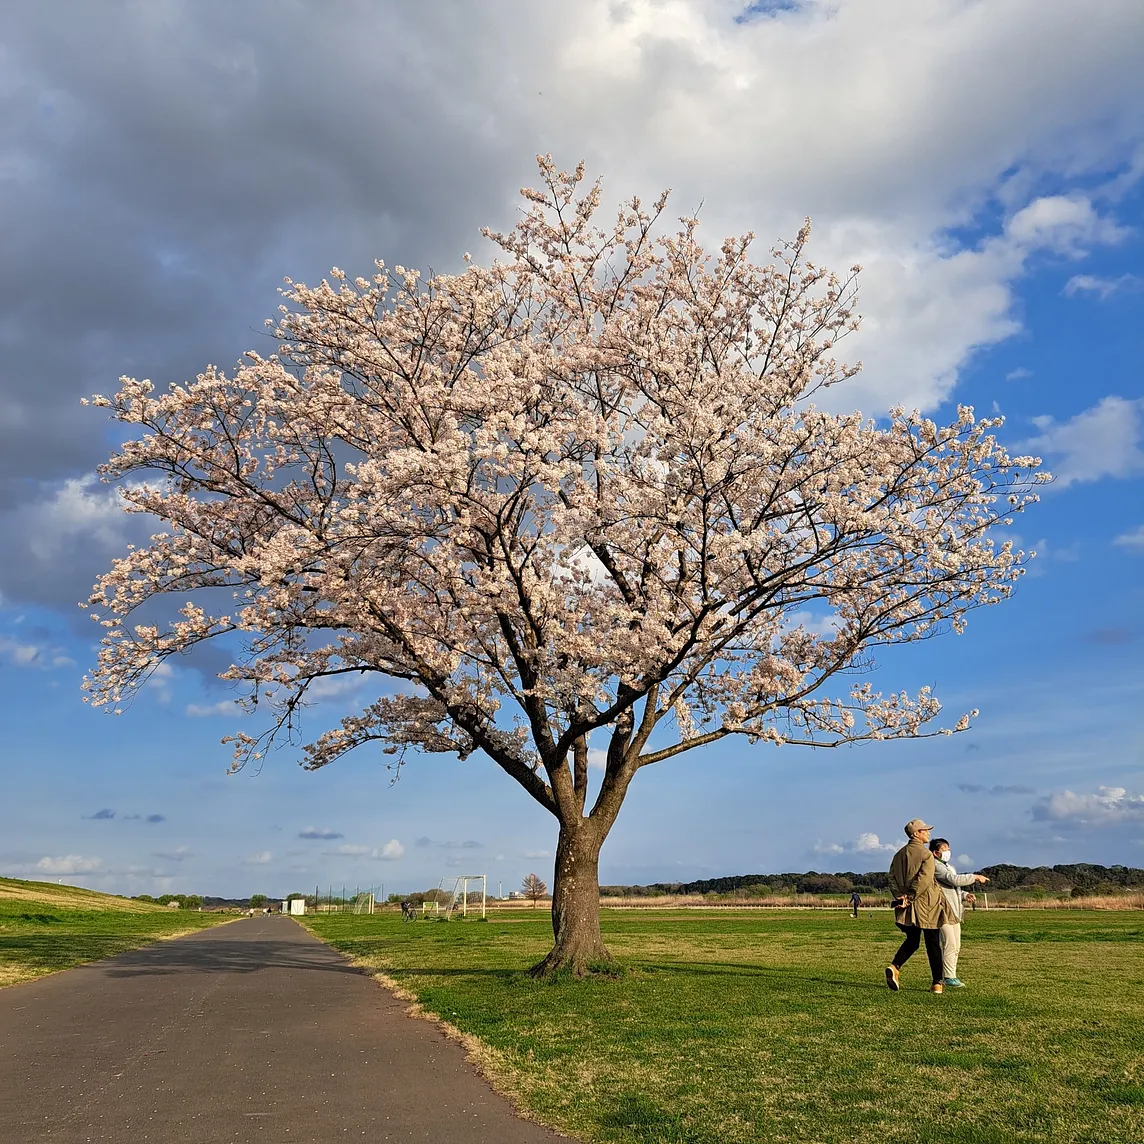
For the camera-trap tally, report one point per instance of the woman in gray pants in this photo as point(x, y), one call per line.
point(953, 887)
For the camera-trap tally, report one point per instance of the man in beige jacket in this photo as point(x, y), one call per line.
point(919, 905)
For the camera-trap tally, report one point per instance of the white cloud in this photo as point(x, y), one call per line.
point(597, 758)
point(22, 655)
point(866, 843)
point(79, 509)
point(897, 141)
point(1132, 539)
point(1110, 804)
point(56, 540)
point(1103, 441)
point(815, 625)
point(537, 854)
point(1018, 373)
point(35, 655)
point(160, 680)
point(328, 688)
point(390, 852)
point(177, 855)
point(964, 861)
point(1101, 287)
point(206, 710)
point(869, 844)
point(1064, 224)
point(262, 858)
point(69, 864)
point(1066, 554)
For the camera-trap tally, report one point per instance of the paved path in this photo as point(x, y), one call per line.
point(252, 1031)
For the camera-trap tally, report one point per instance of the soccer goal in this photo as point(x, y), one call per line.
point(363, 903)
point(464, 899)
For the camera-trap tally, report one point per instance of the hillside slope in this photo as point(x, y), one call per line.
point(46, 927)
point(69, 897)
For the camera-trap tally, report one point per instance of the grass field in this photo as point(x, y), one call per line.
point(777, 1026)
point(45, 927)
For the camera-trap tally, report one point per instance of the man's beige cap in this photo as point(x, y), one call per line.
point(916, 824)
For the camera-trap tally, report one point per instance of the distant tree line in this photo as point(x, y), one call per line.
point(183, 901)
point(1079, 878)
point(758, 885)
point(419, 897)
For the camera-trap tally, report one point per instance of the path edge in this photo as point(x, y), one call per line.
point(481, 1055)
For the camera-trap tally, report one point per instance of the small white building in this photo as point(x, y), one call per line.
point(297, 905)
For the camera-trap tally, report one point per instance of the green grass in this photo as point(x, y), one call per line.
point(45, 928)
point(777, 1026)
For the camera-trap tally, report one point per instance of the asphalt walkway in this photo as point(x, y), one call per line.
point(253, 1031)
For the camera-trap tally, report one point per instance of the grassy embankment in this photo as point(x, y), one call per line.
point(45, 927)
point(777, 1026)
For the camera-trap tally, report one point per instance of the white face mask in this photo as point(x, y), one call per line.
point(945, 855)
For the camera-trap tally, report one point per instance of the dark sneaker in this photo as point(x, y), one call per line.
point(953, 982)
point(892, 977)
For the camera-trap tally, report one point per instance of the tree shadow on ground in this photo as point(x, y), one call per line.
point(776, 973)
point(687, 969)
point(228, 950)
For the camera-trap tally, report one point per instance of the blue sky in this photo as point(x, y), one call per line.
point(988, 172)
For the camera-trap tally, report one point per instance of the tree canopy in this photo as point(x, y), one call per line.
point(584, 489)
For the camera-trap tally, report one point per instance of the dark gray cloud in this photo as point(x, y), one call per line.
point(317, 832)
point(168, 167)
point(104, 814)
point(163, 166)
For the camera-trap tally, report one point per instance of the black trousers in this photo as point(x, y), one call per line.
point(909, 947)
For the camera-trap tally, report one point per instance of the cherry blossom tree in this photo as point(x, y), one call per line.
point(584, 491)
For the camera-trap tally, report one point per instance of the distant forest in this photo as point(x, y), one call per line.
point(1078, 877)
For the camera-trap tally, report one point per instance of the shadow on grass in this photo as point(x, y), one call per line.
point(777, 974)
point(644, 969)
point(962, 1134)
point(643, 1120)
point(437, 971)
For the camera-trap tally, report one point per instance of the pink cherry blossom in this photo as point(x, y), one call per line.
point(584, 489)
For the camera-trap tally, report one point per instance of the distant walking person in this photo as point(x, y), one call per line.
point(855, 902)
point(919, 904)
point(953, 887)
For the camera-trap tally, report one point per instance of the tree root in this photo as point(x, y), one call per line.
point(579, 964)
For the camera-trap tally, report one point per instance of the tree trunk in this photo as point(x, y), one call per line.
point(575, 904)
